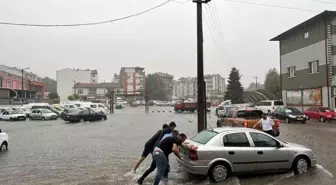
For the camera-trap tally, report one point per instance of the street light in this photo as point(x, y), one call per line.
point(74, 81)
point(22, 70)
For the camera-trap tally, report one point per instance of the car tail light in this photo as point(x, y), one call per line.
point(193, 155)
point(245, 124)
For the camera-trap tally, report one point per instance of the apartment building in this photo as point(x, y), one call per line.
point(185, 88)
point(308, 62)
point(167, 80)
point(132, 80)
point(67, 78)
point(95, 91)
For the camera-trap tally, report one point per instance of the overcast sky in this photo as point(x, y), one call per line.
point(163, 40)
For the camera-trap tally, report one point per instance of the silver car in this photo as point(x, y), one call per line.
point(222, 151)
point(42, 114)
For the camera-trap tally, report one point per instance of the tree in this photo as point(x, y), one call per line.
point(53, 96)
point(70, 97)
point(252, 86)
point(49, 84)
point(272, 82)
point(235, 90)
point(76, 96)
point(155, 88)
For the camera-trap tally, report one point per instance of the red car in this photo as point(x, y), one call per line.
point(320, 113)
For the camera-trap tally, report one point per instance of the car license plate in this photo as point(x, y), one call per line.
point(299, 118)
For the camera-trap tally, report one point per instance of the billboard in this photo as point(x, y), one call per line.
point(312, 96)
point(294, 97)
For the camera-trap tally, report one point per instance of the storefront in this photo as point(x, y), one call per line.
point(305, 98)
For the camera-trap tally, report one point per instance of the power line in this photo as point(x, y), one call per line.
point(213, 9)
point(184, 2)
point(273, 6)
point(87, 24)
point(326, 2)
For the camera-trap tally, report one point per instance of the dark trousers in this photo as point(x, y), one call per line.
point(270, 132)
point(151, 169)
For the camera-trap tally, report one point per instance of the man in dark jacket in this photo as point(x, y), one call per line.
point(152, 167)
point(149, 146)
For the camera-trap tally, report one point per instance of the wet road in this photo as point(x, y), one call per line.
point(52, 152)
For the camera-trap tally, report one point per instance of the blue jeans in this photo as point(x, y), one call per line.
point(161, 162)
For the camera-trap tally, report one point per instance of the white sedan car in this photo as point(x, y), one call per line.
point(4, 141)
point(13, 116)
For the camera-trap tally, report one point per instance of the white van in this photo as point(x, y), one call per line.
point(99, 107)
point(268, 106)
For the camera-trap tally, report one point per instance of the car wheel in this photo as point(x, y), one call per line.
point(322, 119)
point(82, 120)
point(43, 118)
point(10, 119)
point(287, 120)
point(4, 146)
point(219, 172)
point(300, 165)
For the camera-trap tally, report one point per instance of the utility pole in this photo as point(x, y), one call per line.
point(111, 94)
point(22, 88)
point(201, 105)
point(256, 78)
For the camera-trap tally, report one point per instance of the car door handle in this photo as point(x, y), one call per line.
point(260, 152)
point(231, 152)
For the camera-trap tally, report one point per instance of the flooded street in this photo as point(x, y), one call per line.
point(52, 152)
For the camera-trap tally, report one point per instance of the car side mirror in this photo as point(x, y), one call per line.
point(279, 145)
point(0, 131)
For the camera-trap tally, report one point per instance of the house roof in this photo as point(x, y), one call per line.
point(98, 85)
point(164, 74)
point(319, 17)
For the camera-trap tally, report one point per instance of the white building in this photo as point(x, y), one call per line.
point(94, 91)
point(215, 83)
point(67, 78)
point(132, 79)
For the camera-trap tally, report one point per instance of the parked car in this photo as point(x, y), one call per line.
point(289, 114)
point(4, 141)
point(221, 110)
point(70, 110)
point(223, 151)
point(268, 106)
point(320, 113)
point(13, 115)
point(43, 114)
point(85, 115)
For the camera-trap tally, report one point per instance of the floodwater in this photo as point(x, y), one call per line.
point(104, 152)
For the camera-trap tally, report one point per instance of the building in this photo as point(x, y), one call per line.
point(95, 91)
point(116, 78)
point(11, 84)
point(308, 63)
point(185, 88)
point(66, 78)
point(167, 81)
point(214, 83)
point(132, 80)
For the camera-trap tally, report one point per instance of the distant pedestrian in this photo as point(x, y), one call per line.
point(266, 124)
point(149, 146)
point(161, 154)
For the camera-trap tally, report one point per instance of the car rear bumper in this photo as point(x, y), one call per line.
point(194, 169)
point(297, 120)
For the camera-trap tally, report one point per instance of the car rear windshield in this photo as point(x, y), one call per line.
point(204, 136)
point(250, 114)
point(278, 103)
point(325, 109)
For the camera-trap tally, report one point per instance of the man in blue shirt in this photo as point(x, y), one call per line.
point(152, 167)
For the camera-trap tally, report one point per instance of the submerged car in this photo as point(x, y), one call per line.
point(3, 141)
point(223, 151)
point(320, 113)
point(43, 114)
point(85, 115)
point(289, 114)
point(13, 115)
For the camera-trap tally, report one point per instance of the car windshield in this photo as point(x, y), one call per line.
point(323, 109)
point(250, 114)
point(46, 111)
point(204, 136)
point(292, 110)
point(16, 112)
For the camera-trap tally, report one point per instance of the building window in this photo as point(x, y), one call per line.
point(80, 91)
point(93, 80)
point(291, 72)
point(92, 91)
point(306, 35)
point(314, 67)
point(93, 75)
point(9, 84)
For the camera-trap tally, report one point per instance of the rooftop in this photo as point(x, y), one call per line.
point(164, 74)
point(98, 85)
point(311, 21)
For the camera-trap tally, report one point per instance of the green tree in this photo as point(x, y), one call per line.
point(53, 96)
point(71, 97)
point(76, 96)
point(272, 82)
point(155, 88)
point(235, 90)
point(49, 84)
